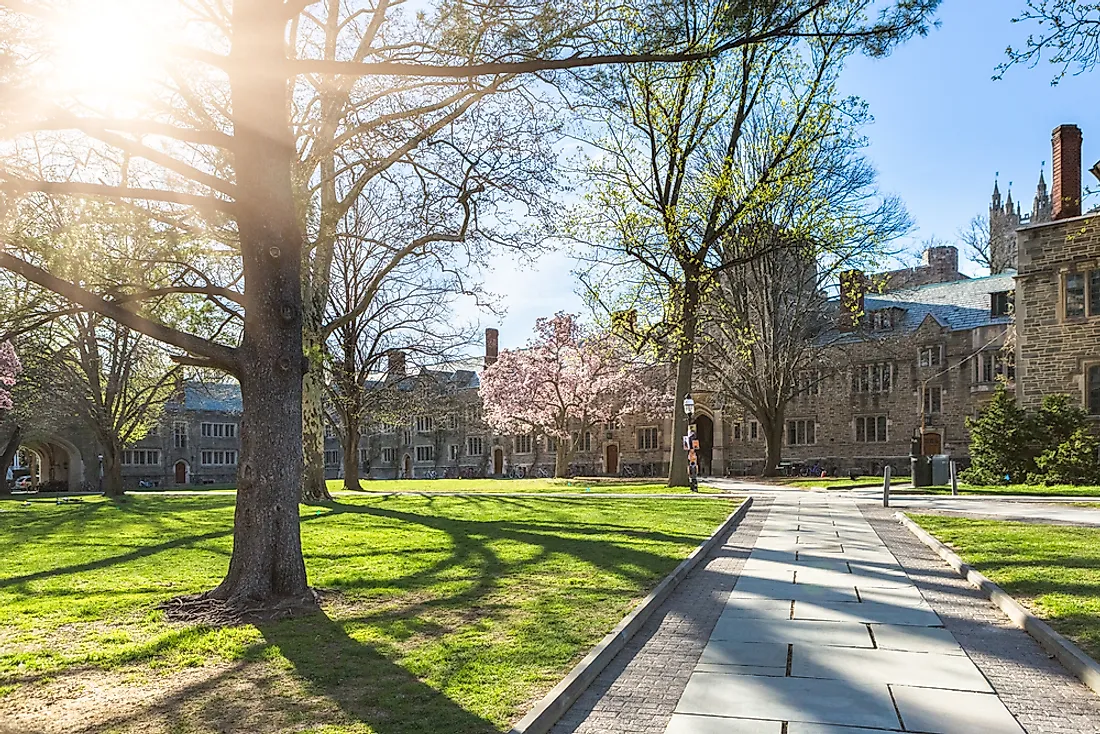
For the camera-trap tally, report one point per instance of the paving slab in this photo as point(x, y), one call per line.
point(931, 670)
point(953, 712)
point(730, 652)
point(792, 631)
point(690, 724)
point(786, 699)
point(803, 727)
point(915, 639)
point(769, 589)
point(866, 613)
point(747, 607)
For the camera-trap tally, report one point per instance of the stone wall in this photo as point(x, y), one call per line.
point(1053, 353)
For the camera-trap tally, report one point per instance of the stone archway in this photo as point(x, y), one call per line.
point(57, 461)
point(408, 473)
point(704, 430)
point(498, 461)
point(182, 472)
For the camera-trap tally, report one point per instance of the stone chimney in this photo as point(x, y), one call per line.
point(1066, 184)
point(395, 365)
point(944, 262)
point(492, 346)
point(853, 288)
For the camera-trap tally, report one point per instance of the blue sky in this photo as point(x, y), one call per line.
point(943, 128)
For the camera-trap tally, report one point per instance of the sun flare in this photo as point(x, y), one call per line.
point(106, 52)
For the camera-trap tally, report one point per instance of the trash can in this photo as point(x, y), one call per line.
point(921, 471)
point(941, 470)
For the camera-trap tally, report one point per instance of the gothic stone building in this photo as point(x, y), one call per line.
point(927, 354)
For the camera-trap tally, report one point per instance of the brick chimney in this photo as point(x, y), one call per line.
point(492, 346)
point(1066, 189)
point(853, 288)
point(395, 365)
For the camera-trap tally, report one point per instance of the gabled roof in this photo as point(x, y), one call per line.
point(958, 305)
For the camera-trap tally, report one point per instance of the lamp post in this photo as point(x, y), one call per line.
point(692, 444)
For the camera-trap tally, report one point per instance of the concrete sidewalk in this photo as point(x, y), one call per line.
point(824, 633)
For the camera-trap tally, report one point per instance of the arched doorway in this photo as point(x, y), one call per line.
point(182, 472)
point(704, 431)
point(498, 461)
point(611, 459)
point(54, 460)
point(408, 473)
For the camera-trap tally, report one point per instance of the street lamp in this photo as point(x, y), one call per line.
point(689, 406)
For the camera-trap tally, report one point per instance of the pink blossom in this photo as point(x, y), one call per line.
point(566, 379)
point(9, 368)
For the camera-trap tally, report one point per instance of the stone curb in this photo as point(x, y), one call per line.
point(553, 706)
point(1071, 656)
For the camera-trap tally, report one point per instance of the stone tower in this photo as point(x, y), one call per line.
point(1041, 209)
point(1003, 223)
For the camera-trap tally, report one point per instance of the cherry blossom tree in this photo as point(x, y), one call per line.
point(10, 367)
point(567, 380)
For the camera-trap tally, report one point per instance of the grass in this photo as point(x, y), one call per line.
point(1030, 490)
point(444, 614)
point(1053, 569)
point(613, 485)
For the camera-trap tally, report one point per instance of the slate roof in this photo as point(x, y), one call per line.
point(218, 397)
point(959, 305)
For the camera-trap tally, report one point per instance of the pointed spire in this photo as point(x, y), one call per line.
point(996, 192)
point(1008, 202)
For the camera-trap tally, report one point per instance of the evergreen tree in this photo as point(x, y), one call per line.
point(1000, 442)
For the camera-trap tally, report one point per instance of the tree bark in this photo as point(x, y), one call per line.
point(314, 487)
point(351, 459)
point(7, 457)
point(773, 444)
point(685, 366)
point(561, 461)
point(267, 571)
point(112, 468)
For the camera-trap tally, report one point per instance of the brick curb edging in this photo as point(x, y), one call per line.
point(1071, 656)
point(561, 697)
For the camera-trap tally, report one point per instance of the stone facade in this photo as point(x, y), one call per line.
point(918, 372)
point(1058, 311)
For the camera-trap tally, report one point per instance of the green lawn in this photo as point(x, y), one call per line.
point(1053, 569)
point(592, 484)
point(442, 614)
point(1031, 490)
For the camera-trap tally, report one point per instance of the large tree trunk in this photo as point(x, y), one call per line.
point(314, 487)
point(112, 468)
point(561, 460)
point(7, 457)
point(267, 574)
point(685, 365)
point(773, 445)
point(351, 459)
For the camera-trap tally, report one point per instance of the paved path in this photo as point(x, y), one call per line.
point(815, 625)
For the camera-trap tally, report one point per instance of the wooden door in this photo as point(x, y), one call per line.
point(933, 444)
point(612, 464)
point(181, 472)
point(498, 462)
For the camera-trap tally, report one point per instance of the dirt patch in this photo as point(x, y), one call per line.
point(237, 698)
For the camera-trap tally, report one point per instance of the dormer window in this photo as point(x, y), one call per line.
point(884, 318)
point(1001, 303)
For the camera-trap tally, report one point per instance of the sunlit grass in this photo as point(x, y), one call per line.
point(453, 611)
point(1053, 569)
point(582, 484)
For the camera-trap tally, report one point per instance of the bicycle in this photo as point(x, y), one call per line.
point(542, 473)
point(628, 472)
point(431, 474)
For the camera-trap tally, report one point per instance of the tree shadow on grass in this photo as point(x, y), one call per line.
point(367, 686)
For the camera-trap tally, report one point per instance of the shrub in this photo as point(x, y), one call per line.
point(1000, 442)
point(1072, 461)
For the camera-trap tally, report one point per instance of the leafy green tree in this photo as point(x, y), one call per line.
point(1001, 438)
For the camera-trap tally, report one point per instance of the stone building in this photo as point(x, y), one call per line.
point(1058, 290)
point(926, 352)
